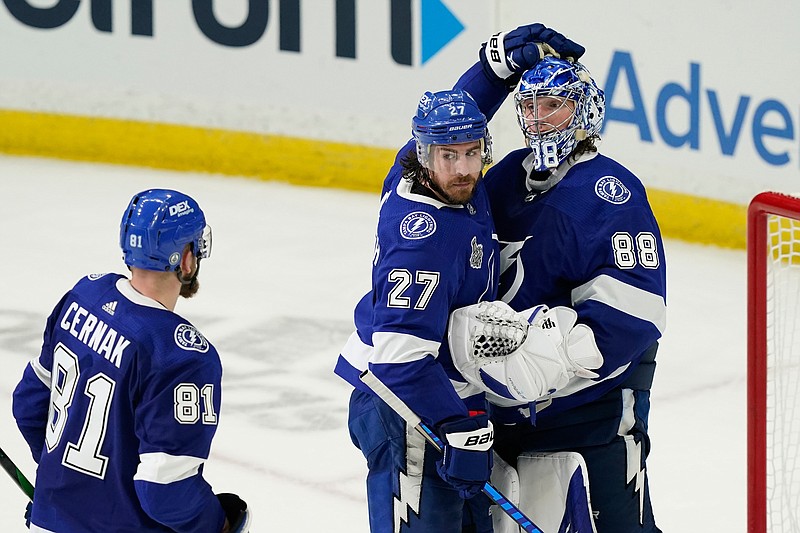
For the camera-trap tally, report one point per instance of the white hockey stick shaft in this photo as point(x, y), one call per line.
point(399, 407)
point(392, 400)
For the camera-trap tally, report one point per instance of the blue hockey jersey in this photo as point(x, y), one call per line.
point(590, 242)
point(430, 258)
point(119, 411)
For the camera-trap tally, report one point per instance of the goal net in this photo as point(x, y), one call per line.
point(773, 374)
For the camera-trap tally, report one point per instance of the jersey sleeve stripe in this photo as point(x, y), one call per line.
point(401, 348)
point(164, 468)
point(625, 298)
point(356, 352)
point(41, 372)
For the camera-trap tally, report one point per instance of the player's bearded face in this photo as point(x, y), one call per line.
point(456, 169)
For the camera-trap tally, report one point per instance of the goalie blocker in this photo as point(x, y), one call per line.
point(519, 357)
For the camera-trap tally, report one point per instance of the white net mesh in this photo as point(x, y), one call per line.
point(500, 331)
point(783, 375)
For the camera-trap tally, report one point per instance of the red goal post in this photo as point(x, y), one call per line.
point(773, 371)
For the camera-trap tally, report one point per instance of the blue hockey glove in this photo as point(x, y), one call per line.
point(236, 512)
point(508, 54)
point(560, 46)
point(466, 461)
point(28, 509)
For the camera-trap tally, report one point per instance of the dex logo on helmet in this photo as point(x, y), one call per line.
point(180, 209)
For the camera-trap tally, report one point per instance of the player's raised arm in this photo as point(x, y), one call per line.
point(505, 56)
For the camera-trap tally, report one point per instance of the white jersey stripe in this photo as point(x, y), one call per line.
point(41, 372)
point(623, 297)
point(356, 352)
point(401, 348)
point(389, 348)
point(164, 468)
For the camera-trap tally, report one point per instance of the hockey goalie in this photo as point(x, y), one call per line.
point(521, 359)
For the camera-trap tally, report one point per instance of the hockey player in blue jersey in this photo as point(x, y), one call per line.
point(578, 236)
point(120, 407)
point(435, 251)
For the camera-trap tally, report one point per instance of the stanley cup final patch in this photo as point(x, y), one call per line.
point(417, 225)
point(476, 257)
point(612, 190)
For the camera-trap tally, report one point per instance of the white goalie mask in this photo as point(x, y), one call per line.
point(558, 104)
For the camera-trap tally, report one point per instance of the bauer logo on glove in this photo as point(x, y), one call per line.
point(506, 55)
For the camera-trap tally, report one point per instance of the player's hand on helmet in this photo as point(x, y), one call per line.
point(466, 461)
point(508, 54)
point(559, 45)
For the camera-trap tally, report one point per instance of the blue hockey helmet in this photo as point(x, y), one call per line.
point(570, 86)
point(449, 117)
point(156, 227)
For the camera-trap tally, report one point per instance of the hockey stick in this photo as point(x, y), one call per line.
point(399, 407)
point(15, 473)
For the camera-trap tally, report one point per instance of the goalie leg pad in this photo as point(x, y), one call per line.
point(506, 480)
point(553, 490)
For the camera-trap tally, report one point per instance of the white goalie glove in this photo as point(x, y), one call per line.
point(521, 356)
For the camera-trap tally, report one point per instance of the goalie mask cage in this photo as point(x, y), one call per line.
point(773, 372)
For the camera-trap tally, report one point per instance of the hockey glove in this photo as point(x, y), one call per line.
point(575, 343)
point(466, 461)
point(28, 509)
point(521, 357)
point(236, 512)
point(508, 54)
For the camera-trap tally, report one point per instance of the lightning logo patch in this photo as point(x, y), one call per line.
point(612, 190)
point(188, 338)
point(417, 225)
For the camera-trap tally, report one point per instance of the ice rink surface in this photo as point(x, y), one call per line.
point(276, 299)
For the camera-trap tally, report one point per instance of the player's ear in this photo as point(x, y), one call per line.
point(188, 260)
